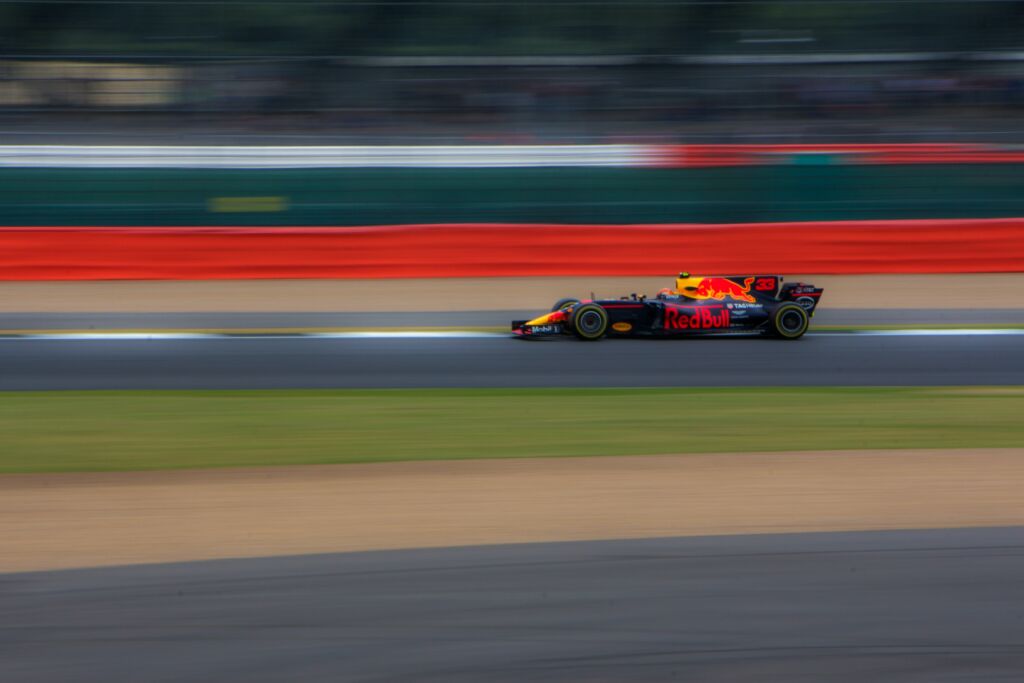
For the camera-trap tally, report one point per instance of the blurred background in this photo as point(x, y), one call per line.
point(629, 134)
point(530, 71)
point(413, 73)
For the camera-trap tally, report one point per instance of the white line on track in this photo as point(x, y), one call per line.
point(454, 334)
point(924, 333)
point(141, 336)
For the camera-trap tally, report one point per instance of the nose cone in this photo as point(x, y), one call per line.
point(549, 318)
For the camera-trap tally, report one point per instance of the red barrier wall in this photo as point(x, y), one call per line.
point(473, 250)
point(895, 153)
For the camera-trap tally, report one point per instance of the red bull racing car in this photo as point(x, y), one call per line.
point(699, 305)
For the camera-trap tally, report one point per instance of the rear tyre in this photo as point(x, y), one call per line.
point(589, 322)
point(563, 304)
point(790, 321)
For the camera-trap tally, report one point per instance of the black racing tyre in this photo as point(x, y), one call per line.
point(589, 322)
point(790, 321)
point(564, 303)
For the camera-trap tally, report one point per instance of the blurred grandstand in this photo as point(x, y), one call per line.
point(406, 71)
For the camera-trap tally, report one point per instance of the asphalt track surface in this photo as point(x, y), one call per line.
point(499, 361)
point(909, 606)
point(291, 320)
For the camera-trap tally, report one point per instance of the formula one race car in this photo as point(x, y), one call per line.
point(697, 306)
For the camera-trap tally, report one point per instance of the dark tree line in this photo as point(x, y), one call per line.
point(511, 27)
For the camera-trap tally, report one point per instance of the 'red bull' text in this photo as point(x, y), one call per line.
point(696, 319)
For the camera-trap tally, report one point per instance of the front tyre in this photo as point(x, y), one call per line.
point(589, 322)
point(790, 321)
point(563, 304)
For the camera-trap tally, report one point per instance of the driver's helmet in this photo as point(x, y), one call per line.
point(686, 282)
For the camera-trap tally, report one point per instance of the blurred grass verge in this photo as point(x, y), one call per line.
point(142, 430)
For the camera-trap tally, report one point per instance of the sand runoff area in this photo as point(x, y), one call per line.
point(993, 291)
point(54, 521)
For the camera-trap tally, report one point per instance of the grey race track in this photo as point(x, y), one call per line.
point(241, 363)
point(908, 606)
point(280, 319)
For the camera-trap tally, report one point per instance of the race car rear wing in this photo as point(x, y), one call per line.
point(807, 296)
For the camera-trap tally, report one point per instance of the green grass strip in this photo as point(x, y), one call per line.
point(141, 430)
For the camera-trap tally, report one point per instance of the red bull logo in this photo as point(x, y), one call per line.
point(710, 318)
point(719, 288)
